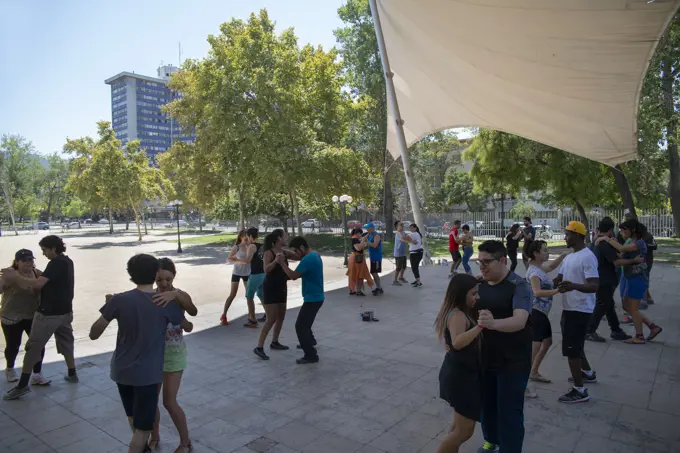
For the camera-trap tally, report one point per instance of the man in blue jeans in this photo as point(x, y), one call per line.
point(504, 305)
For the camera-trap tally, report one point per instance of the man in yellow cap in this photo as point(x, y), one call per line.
point(578, 279)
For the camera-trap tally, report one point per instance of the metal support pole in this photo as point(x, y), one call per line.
point(401, 138)
point(179, 242)
point(344, 230)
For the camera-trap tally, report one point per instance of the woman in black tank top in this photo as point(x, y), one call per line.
point(460, 377)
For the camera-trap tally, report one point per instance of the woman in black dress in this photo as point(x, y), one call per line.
point(460, 378)
point(513, 244)
point(274, 290)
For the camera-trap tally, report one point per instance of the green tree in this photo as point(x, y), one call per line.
point(53, 181)
point(19, 170)
point(522, 209)
point(75, 208)
point(458, 188)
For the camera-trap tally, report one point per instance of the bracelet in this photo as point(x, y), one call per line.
point(479, 326)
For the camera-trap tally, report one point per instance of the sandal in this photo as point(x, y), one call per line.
point(654, 333)
point(635, 340)
point(539, 378)
point(153, 444)
point(184, 448)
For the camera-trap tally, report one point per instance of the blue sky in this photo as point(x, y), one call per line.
point(55, 56)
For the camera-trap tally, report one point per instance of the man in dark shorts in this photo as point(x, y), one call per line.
point(399, 255)
point(578, 279)
point(607, 261)
point(54, 315)
point(529, 235)
point(504, 305)
point(137, 362)
point(454, 248)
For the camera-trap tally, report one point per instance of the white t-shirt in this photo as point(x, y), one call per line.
point(417, 243)
point(576, 268)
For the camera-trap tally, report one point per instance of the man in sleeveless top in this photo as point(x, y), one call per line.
point(504, 306)
point(375, 253)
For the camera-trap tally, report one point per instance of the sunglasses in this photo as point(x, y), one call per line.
point(486, 263)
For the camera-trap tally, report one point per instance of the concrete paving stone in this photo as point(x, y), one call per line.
point(665, 398)
point(386, 413)
point(553, 436)
point(47, 420)
point(361, 429)
point(597, 444)
point(260, 445)
point(70, 434)
point(296, 435)
point(100, 442)
point(427, 425)
point(332, 443)
point(399, 441)
point(641, 426)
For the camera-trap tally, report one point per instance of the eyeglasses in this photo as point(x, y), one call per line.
point(485, 263)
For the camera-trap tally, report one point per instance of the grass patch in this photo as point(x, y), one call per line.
point(668, 242)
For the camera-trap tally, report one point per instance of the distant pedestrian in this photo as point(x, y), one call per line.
point(415, 242)
point(512, 241)
point(54, 315)
point(454, 248)
point(399, 254)
point(375, 253)
point(529, 235)
point(241, 271)
point(466, 240)
point(310, 270)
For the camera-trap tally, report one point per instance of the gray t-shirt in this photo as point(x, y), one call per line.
point(542, 304)
point(140, 346)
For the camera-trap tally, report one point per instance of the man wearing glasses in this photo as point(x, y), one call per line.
point(504, 305)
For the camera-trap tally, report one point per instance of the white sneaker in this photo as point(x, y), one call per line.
point(38, 379)
point(11, 375)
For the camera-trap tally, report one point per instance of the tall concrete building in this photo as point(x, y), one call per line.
point(136, 102)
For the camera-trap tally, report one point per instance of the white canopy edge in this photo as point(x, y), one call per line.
point(564, 73)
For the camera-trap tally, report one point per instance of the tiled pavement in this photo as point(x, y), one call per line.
point(375, 389)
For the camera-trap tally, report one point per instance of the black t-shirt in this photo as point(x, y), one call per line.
point(606, 256)
point(356, 242)
point(513, 244)
point(501, 350)
point(257, 264)
point(56, 297)
point(530, 230)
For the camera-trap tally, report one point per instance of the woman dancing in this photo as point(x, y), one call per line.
point(241, 271)
point(460, 377)
point(415, 245)
point(175, 360)
point(357, 269)
point(466, 240)
point(512, 240)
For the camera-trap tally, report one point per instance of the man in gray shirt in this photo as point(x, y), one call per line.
point(137, 362)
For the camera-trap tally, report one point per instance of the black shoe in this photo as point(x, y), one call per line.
point(382, 291)
point(278, 346)
point(262, 318)
point(586, 379)
point(260, 353)
point(360, 293)
point(305, 360)
point(620, 336)
point(352, 293)
point(574, 396)
point(376, 292)
point(596, 337)
point(300, 346)
point(251, 324)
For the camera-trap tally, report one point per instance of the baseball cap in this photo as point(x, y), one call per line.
point(24, 255)
point(576, 227)
point(369, 225)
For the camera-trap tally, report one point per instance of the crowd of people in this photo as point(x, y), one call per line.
point(496, 330)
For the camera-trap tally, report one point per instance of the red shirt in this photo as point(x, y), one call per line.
point(453, 245)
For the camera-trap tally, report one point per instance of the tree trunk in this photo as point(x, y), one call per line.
point(138, 221)
point(241, 208)
point(110, 221)
point(49, 206)
point(200, 224)
point(671, 130)
point(624, 190)
point(10, 208)
point(502, 229)
point(584, 219)
point(296, 211)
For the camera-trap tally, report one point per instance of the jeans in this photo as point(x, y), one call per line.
point(605, 306)
point(13, 333)
point(503, 409)
point(416, 258)
point(467, 254)
point(512, 254)
point(303, 328)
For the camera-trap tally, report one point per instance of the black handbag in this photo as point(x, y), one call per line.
point(359, 258)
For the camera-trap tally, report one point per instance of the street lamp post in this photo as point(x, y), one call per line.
point(342, 201)
point(177, 204)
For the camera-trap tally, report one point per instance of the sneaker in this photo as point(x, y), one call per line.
point(650, 301)
point(382, 291)
point(586, 379)
point(414, 284)
point(360, 293)
point(352, 293)
point(644, 305)
point(418, 285)
point(304, 361)
point(39, 379)
point(16, 393)
point(223, 320)
point(262, 318)
point(396, 283)
point(251, 324)
point(620, 335)
point(11, 375)
point(260, 353)
point(278, 346)
point(488, 447)
point(72, 379)
point(596, 337)
point(376, 292)
point(574, 396)
point(403, 280)
point(627, 320)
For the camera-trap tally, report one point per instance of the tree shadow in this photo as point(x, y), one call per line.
point(103, 245)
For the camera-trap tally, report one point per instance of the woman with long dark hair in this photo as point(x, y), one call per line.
point(415, 245)
point(512, 241)
point(241, 271)
point(17, 308)
point(274, 290)
point(635, 278)
point(357, 269)
point(460, 377)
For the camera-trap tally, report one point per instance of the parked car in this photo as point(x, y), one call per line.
point(182, 224)
point(74, 225)
point(311, 223)
point(379, 224)
point(354, 224)
point(40, 226)
point(103, 221)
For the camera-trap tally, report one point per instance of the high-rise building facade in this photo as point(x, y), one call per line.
point(136, 110)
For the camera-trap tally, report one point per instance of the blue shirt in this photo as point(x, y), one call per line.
point(376, 254)
point(399, 246)
point(311, 268)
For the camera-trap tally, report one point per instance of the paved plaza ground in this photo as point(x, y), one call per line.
point(374, 390)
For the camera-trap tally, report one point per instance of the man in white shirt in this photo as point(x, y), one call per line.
point(578, 280)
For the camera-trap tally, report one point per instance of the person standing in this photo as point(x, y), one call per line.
point(138, 360)
point(512, 239)
point(578, 280)
point(399, 254)
point(607, 262)
point(466, 240)
point(504, 304)
point(17, 310)
point(454, 248)
point(460, 376)
point(256, 278)
point(357, 270)
point(241, 271)
point(375, 254)
point(415, 242)
point(529, 235)
point(649, 259)
point(310, 269)
point(54, 315)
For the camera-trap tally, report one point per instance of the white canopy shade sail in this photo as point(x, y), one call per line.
point(566, 73)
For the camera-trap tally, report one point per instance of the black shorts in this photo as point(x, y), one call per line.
point(455, 255)
point(574, 328)
point(238, 278)
point(400, 262)
point(140, 404)
point(540, 326)
point(376, 267)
